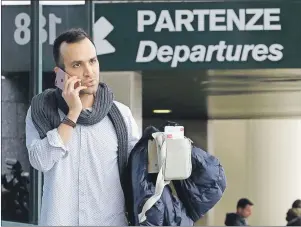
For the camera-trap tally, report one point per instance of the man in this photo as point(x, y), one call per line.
point(80, 138)
point(243, 211)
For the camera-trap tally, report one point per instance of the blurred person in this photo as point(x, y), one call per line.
point(293, 216)
point(243, 211)
point(80, 138)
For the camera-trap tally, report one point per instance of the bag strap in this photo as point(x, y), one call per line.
point(160, 183)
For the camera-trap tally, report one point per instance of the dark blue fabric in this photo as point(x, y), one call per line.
point(196, 195)
point(205, 187)
point(233, 219)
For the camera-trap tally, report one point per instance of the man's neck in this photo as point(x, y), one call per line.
point(87, 100)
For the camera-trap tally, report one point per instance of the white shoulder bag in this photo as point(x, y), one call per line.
point(174, 163)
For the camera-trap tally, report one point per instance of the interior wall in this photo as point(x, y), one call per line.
point(227, 140)
point(260, 153)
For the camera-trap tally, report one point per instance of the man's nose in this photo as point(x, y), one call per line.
point(88, 71)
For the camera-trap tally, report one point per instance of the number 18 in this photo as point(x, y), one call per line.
point(22, 33)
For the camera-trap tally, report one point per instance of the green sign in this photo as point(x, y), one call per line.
point(198, 35)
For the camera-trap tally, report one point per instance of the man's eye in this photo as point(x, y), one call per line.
point(93, 60)
point(76, 65)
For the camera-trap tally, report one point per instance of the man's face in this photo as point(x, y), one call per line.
point(80, 60)
point(245, 212)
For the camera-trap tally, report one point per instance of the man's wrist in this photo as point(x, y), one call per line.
point(69, 122)
point(73, 115)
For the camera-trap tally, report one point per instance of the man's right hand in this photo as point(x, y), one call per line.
point(74, 103)
point(71, 96)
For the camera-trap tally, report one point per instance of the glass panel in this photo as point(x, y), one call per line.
point(15, 74)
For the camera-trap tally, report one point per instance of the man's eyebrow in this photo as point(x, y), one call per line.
point(79, 61)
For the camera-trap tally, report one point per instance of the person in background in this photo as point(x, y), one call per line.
point(243, 211)
point(293, 216)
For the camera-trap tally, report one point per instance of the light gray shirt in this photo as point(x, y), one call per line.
point(81, 178)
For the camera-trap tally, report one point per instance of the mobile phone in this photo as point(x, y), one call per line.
point(60, 79)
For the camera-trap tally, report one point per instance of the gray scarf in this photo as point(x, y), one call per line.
point(45, 116)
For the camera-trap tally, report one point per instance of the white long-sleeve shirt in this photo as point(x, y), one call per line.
point(81, 179)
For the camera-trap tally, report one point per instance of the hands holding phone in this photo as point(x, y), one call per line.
point(71, 95)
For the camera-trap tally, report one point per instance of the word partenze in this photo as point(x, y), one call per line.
point(210, 20)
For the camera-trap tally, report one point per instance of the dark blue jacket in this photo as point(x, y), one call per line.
point(196, 195)
point(233, 219)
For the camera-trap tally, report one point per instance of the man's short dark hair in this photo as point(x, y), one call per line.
point(242, 203)
point(73, 35)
